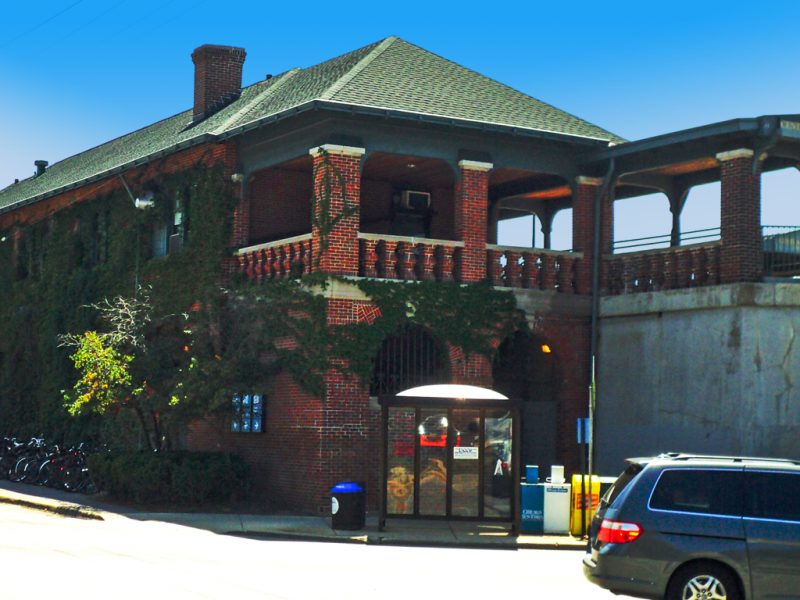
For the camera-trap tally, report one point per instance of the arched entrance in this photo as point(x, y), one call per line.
point(410, 358)
point(525, 369)
point(449, 452)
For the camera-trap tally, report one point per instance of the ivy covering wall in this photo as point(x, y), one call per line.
point(81, 255)
point(214, 339)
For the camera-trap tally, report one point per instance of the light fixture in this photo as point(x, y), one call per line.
point(146, 201)
point(546, 349)
point(411, 165)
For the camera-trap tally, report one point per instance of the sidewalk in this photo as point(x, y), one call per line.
point(398, 532)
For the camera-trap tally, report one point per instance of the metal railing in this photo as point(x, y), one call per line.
point(781, 250)
point(656, 242)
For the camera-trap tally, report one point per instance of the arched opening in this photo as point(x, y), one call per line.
point(410, 358)
point(780, 223)
point(702, 209)
point(525, 369)
point(390, 206)
point(562, 230)
point(642, 217)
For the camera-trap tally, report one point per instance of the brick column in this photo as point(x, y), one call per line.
point(341, 257)
point(584, 193)
point(345, 422)
point(472, 205)
point(740, 219)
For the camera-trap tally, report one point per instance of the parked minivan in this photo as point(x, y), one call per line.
point(690, 527)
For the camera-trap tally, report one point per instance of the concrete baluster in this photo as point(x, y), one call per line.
point(443, 268)
point(700, 267)
point(684, 268)
point(566, 274)
point(494, 270)
point(424, 266)
point(547, 274)
point(513, 269)
point(530, 271)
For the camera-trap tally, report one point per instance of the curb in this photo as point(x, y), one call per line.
point(80, 511)
point(378, 540)
point(76, 511)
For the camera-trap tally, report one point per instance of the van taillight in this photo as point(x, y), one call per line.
point(616, 532)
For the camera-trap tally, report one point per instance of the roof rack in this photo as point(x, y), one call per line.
point(684, 456)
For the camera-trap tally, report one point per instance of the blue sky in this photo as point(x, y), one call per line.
point(103, 68)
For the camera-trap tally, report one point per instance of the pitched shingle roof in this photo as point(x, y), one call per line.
point(391, 74)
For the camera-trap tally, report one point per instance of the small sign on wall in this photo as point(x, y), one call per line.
point(465, 453)
point(247, 414)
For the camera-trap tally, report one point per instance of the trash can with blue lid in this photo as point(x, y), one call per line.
point(348, 506)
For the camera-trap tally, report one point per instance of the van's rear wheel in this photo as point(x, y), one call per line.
point(703, 581)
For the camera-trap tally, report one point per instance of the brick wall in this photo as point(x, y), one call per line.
point(280, 204)
point(741, 257)
point(443, 221)
point(471, 206)
point(376, 206)
point(570, 339)
point(342, 255)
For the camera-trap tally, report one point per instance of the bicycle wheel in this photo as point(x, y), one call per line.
point(32, 472)
point(18, 474)
point(90, 487)
point(73, 479)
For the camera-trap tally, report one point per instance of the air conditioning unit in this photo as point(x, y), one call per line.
point(415, 200)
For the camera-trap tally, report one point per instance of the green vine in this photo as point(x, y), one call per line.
point(82, 255)
point(323, 218)
point(205, 343)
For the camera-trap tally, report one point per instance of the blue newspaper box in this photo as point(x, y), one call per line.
point(532, 506)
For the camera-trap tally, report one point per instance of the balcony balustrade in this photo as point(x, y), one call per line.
point(532, 268)
point(672, 268)
point(281, 259)
point(407, 258)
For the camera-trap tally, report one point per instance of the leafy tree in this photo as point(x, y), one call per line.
point(116, 366)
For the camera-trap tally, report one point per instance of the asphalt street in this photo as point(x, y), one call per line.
point(50, 556)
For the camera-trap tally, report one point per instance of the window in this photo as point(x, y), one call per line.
point(621, 483)
point(772, 495)
point(408, 359)
point(169, 236)
point(702, 491)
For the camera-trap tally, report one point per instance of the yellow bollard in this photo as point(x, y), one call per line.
point(577, 504)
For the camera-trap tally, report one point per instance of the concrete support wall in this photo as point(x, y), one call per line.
point(704, 370)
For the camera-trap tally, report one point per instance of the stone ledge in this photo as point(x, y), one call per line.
point(766, 295)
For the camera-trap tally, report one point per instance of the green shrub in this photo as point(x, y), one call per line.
point(180, 478)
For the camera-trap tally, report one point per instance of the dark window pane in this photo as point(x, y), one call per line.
point(773, 495)
point(703, 491)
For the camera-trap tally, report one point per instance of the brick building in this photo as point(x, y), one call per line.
point(433, 156)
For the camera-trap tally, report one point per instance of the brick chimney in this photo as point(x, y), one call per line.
point(217, 78)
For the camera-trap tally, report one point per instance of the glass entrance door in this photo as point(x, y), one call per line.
point(448, 462)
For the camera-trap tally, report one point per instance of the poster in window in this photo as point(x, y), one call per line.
point(246, 424)
point(246, 403)
point(255, 426)
point(256, 404)
point(237, 403)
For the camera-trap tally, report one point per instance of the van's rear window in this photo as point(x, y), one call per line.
point(704, 491)
point(621, 483)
